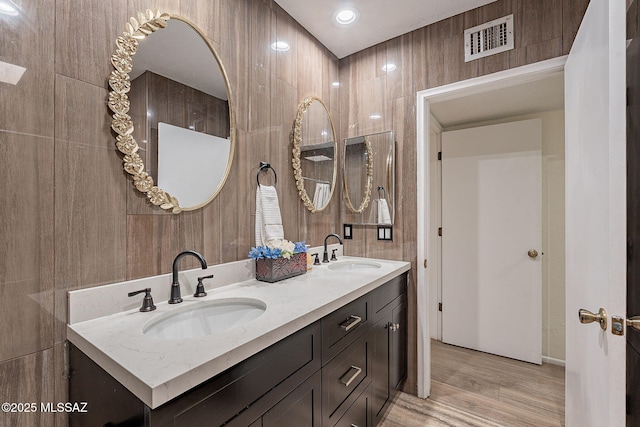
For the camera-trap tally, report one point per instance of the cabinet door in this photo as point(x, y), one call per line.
point(380, 386)
point(389, 360)
point(301, 408)
point(398, 346)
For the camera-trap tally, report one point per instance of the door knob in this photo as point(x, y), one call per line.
point(586, 316)
point(533, 254)
point(394, 327)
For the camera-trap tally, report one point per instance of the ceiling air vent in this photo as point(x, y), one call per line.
point(486, 39)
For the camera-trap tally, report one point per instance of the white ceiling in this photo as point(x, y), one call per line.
point(379, 20)
point(532, 97)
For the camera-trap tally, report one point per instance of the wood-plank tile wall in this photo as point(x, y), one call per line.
point(64, 221)
point(429, 57)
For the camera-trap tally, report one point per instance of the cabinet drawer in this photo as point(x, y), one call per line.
point(344, 374)
point(358, 413)
point(388, 296)
point(237, 390)
point(343, 326)
point(300, 408)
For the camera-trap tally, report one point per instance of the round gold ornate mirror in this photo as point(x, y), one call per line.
point(314, 154)
point(177, 93)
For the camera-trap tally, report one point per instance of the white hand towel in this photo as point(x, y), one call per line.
point(321, 195)
point(268, 218)
point(384, 217)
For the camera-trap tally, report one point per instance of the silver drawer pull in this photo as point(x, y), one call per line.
point(354, 371)
point(352, 321)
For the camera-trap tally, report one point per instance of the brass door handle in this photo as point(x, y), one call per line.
point(634, 322)
point(586, 316)
point(533, 254)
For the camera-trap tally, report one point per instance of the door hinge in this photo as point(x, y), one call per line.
point(439, 155)
point(440, 231)
point(439, 306)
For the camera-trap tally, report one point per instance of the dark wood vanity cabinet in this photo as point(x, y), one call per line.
point(365, 364)
point(389, 341)
point(237, 397)
point(342, 370)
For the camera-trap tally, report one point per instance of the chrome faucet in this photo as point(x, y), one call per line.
point(175, 285)
point(325, 255)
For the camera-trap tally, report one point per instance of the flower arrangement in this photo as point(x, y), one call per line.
point(278, 248)
point(279, 260)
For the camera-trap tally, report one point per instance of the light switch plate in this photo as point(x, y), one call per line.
point(385, 232)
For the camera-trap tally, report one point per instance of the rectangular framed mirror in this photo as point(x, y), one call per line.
point(369, 179)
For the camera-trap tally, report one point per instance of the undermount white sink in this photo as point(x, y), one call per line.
point(204, 318)
point(354, 265)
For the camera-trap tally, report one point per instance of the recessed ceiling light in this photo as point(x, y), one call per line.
point(8, 8)
point(375, 116)
point(280, 46)
point(346, 16)
point(388, 67)
point(335, 84)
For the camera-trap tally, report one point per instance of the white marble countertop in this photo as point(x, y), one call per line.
point(157, 371)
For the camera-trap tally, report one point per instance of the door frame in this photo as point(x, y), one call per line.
point(427, 310)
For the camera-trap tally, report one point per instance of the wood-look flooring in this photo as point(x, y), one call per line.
point(471, 388)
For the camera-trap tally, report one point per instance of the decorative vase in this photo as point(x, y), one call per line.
point(273, 270)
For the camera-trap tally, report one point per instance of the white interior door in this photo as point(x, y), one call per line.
point(595, 215)
point(491, 219)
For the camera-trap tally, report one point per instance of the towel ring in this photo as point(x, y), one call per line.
point(266, 166)
point(381, 192)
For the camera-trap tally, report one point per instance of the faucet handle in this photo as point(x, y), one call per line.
point(147, 301)
point(333, 255)
point(200, 288)
point(317, 260)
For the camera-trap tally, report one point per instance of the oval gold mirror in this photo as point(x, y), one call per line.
point(180, 150)
point(314, 154)
point(369, 179)
point(358, 173)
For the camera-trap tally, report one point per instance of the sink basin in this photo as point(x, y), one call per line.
point(204, 318)
point(354, 265)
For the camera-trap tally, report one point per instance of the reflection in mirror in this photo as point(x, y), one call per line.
point(358, 161)
point(184, 133)
point(368, 175)
point(314, 154)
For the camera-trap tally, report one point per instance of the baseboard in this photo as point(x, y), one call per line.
point(552, 361)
